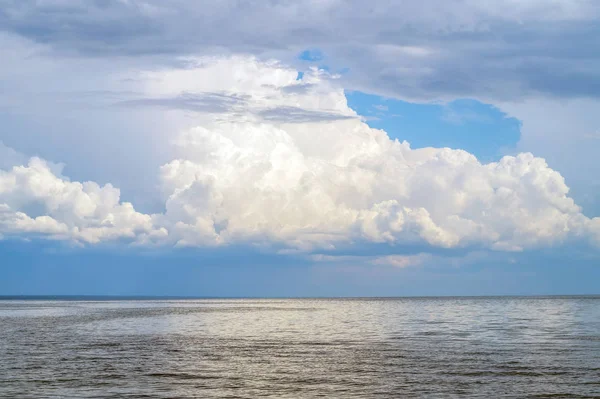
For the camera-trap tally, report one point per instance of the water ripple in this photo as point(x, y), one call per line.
point(304, 348)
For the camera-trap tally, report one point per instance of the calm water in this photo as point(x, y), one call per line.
point(367, 348)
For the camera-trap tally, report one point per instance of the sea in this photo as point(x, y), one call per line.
point(447, 347)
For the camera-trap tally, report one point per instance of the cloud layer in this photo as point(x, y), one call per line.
point(500, 50)
point(287, 165)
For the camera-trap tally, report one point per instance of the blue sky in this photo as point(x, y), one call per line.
point(478, 128)
point(152, 149)
point(42, 269)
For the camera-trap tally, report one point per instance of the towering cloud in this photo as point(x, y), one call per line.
point(274, 160)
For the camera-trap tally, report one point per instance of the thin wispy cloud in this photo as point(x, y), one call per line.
point(198, 102)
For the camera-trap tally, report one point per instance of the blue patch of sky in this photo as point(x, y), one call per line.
point(314, 57)
point(478, 128)
point(311, 55)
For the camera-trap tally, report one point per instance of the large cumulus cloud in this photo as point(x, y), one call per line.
point(342, 182)
point(247, 172)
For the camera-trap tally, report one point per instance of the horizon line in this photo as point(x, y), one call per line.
point(100, 298)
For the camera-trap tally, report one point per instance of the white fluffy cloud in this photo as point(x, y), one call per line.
point(336, 181)
point(291, 184)
point(269, 159)
point(36, 199)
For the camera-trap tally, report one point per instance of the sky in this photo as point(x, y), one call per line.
point(307, 148)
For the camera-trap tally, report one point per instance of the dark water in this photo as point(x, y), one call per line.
point(354, 348)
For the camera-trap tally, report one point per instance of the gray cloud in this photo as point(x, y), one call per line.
point(300, 115)
point(297, 89)
point(197, 102)
point(224, 103)
point(423, 51)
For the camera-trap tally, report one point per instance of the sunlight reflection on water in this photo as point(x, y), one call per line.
point(407, 347)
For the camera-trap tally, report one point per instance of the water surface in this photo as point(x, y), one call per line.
point(301, 348)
